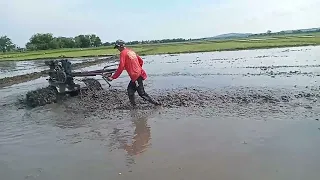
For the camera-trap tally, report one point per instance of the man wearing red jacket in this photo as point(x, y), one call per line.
point(132, 63)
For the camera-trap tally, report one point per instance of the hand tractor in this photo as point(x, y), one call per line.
point(61, 82)
point(61, 76)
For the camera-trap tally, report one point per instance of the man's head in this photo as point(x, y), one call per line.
point(120, 45)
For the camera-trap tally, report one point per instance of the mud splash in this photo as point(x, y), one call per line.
point(49, 94)
point(41, 96)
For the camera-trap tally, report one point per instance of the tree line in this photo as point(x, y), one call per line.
point(46, 41)
point(269, 33)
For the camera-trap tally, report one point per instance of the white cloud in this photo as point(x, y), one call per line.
point(68, 18)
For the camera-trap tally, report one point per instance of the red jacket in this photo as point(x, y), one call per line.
point(132, 63)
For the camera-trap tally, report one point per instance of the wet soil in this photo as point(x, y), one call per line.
point(214, 122)
point(252, 99)
point(41, 96)
point(8, 81)
point(15, 68)
point(62, 56)
point(49, 94)
point(94, 100)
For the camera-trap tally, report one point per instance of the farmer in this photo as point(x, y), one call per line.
point(132, 63)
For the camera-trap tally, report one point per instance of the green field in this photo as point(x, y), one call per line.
point(172, 48)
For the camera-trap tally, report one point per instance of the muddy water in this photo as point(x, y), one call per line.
point(14, 68)
point(227, 124)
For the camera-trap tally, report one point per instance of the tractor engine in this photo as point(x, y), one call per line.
point(60, 76)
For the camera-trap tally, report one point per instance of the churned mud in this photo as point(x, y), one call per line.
point(93, 100)
point(49, 94)
point(237, 101)
point(41, 96)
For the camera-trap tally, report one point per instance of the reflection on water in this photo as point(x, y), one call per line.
point(141, 137)
point(135, 139)
point(51, 132)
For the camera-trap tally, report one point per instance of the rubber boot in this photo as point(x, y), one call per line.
point(132, 100)
point(149, 99)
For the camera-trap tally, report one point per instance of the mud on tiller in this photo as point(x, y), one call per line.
point(61, 76)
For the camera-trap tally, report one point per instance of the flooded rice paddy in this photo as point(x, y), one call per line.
point(225, 115)
point(15, 68)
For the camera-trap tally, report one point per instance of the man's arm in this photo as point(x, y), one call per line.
point(140, 60)
point(120, 67)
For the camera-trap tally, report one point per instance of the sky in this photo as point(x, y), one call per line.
point(146, 20)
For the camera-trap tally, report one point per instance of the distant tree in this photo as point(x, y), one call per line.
point(82, 41)
point(158, 41)
point(54, 44)
point(66, 42)
point(297, 31)
point(41, 41)
point(48, 41)
point(106, 44)
point(44, 41)
point(30, 46)
point(269, 32)
point(95, 41)
point(6, 44)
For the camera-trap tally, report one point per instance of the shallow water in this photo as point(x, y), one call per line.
point(221, 141)
point(175, 144)
point(15, 68)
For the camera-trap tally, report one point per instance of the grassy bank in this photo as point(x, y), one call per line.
point(172, 48)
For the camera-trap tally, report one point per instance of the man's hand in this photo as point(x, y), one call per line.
point(109, 78)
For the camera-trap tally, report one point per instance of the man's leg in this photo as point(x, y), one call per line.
point(131, 89)
point(143, 94)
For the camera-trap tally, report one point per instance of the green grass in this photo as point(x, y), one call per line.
point(172, 48)
point(317, 34)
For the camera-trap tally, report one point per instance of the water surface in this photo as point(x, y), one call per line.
point(15, 68)
point(50, 143)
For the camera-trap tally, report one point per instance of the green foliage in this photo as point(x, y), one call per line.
point(47, 41)
point(286, 33)
point(170, 48)
point(6, 44)
point(95, 41)
point(42, 41)
point(175, 40)
point(82, 41)
point(66, 42)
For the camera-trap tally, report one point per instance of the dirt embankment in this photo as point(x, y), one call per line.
point(8, 81)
